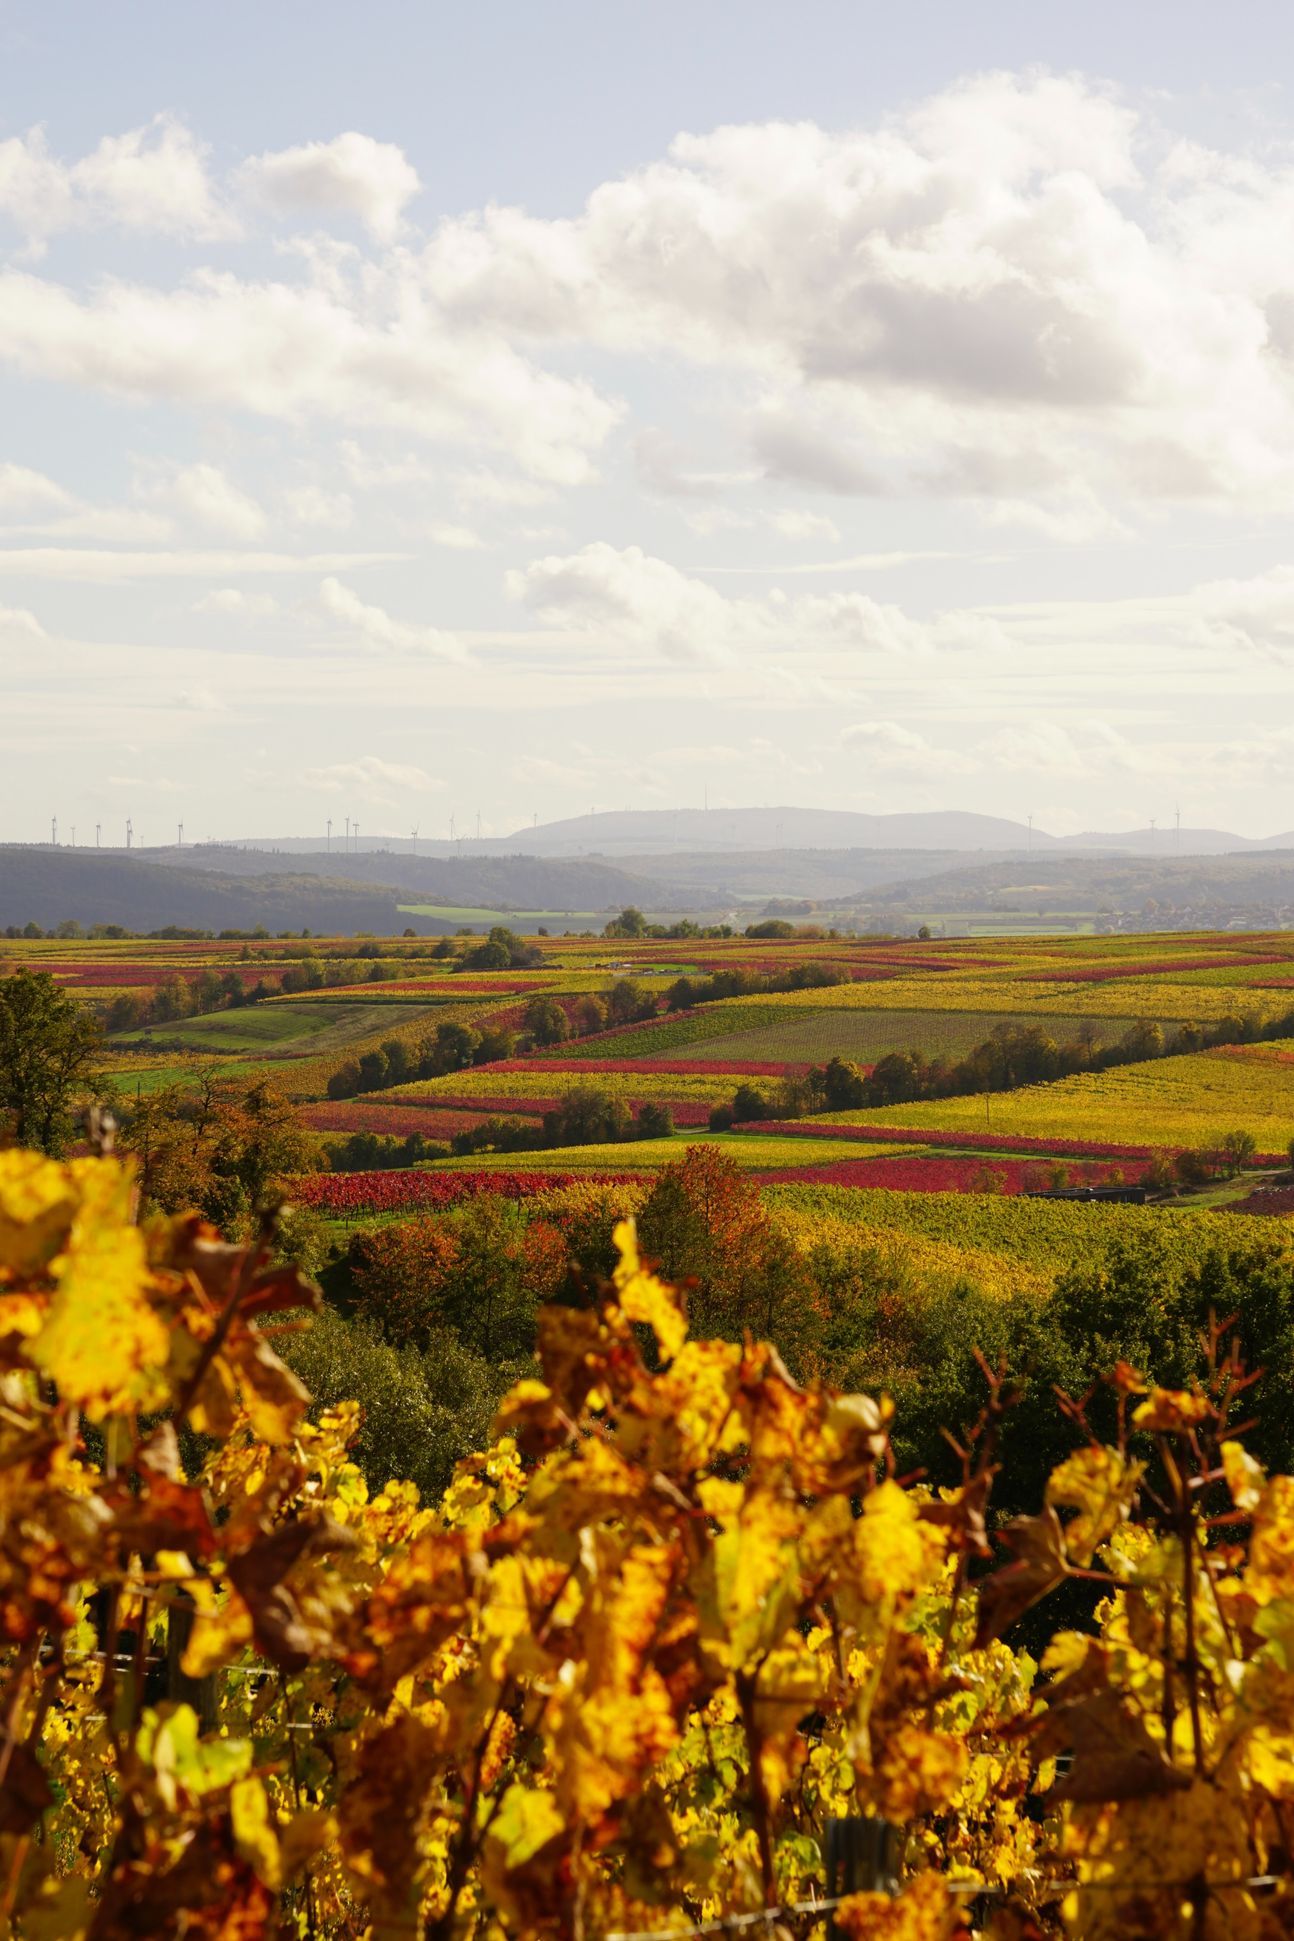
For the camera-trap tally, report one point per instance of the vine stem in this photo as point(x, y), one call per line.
point(746, 1684)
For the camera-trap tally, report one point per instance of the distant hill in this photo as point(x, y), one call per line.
point(657, 832)
point(50, 886)
point(491, 881)
point(657, 836)
point(1190, 892)
point(1169, 843)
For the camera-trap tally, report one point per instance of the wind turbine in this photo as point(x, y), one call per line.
point(330, 835)
point(413, 841)
point(130, 832)
point(53, 832)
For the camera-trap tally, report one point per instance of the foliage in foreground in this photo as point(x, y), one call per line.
point(676, 1619)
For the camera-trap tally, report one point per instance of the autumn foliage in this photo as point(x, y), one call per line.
point(678, 1618)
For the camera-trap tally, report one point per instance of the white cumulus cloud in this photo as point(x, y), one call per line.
point(351, 175)
point(377, 630)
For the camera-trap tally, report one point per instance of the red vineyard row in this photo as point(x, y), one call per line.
point(410, 1190)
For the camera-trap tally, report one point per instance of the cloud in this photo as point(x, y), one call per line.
point(86, 563)
point(22, 491)
point(232, 600)
point(629, 600)
point(203, 494)
point(377, 630)
point(152, 179)
point(372, 779)
point(310, 505)
point(18, 620)
point(351, 175)
point(794, 524)
point(460, 539)
point(377, 350)
point(1084, 752)
point(889, 745)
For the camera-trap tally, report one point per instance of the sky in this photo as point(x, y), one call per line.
point(415, 412)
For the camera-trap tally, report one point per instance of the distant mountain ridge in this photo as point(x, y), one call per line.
point(612, 835)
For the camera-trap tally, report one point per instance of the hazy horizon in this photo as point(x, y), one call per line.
point(531, 410)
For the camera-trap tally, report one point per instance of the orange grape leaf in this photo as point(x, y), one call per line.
point(924, 1911)
point(1114, 1755)
point(1038, 1566)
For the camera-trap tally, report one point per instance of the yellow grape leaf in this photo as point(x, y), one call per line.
point(1172, 1409)
point(924, 1911)
point(103, 1343)
point(253, 1830)
point(1246, 1477)
point(185, 1764)
point(1271, 1547)
point(38, 1201)
point(274, 1398)
point(527, 1820)
point(897, 1553)
point(916, 1771)
point(1100, 1484)
point(1122, 1848)
point(644, 1298)
point(756, 1576)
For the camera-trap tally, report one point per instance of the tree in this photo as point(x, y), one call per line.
point(748, 1102)
point(218, 1147)
point(546, 1021)
point(171, 999)
point(704, 1219)
point(630, 923)
point(1237, 1149)
point(373, 1070)
point(48, 1044)
point(843, 1085)
point(345, 1081)
point(655, 1121)
point(590, 1015)
point(452, 1049)
point(628, 1001)
point(587, 1116)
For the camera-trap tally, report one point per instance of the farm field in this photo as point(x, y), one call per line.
point(404, 1038)
point(1195, 1100)
point(869, 1035)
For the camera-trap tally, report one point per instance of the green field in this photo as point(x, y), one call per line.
point(325, 1026)
point(460, 913)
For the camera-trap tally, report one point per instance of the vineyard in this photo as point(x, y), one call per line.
point(682, 1026)
point(675, 1636)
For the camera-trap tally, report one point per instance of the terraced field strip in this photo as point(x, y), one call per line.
point(485, 1083)
point(864, 1036)
point(1051, 1235)
point(649, 1155)
point(1169, 1103)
